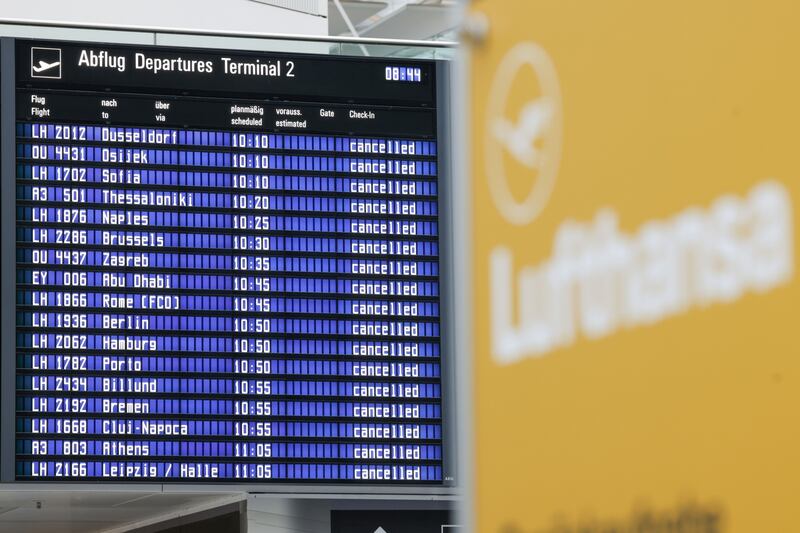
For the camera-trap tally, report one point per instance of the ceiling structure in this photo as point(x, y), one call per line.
point(393, 19)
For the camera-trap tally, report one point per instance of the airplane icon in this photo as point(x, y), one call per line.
point(45, 66)
point(46, 63)
point(520, 139)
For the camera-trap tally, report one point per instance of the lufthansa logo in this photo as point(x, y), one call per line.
point(532, 140)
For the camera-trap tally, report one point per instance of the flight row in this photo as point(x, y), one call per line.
point(224, 160)
point(224, 139)
point(274, 410)
point(40, 284)
point(202, 347)
point(265, 387)
point(240, 472)
point(136, 178)
point(177, 427)
point(217, 365)
point(230, 306)
point(258, 449)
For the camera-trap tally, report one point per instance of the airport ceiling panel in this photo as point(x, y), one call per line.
point(398, 19)
point(312, 7)
point(357, 11)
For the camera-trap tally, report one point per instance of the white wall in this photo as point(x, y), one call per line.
point(220, 15)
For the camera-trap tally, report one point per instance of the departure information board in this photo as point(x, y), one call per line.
point(227, 266)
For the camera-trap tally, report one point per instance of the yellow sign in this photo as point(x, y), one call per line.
point(635, 172)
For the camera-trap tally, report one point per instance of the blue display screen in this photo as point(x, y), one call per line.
point(410, 74)
point(217, 287)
